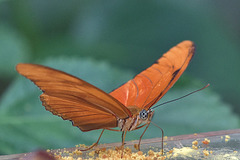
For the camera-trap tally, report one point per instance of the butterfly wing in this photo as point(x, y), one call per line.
point(73, 99)
point(146, 88)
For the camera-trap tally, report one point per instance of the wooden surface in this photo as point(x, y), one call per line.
point(171, 141)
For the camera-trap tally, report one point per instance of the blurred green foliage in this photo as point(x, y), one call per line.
point(84, 37)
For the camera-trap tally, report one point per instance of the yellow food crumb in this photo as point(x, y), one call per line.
point(104, 156)
point(206, 152)
point(171, 151)
point(195, 142)
point(67, 158)
point(128, 150)
point(140, 153)
point(227, 138)
point(48, 150)
point(77, 152)
point(206, 141)
point(151, 152)
point(58, 156)
point(82, 145)
point(165, 138)
point(92, 153)
point(194, 147)
point(65, 151)
point(195, 134)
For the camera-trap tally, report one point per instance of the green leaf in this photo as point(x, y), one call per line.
point(25, 125)
point(13, 48)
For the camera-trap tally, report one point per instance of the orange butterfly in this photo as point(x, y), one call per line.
point(127, 107)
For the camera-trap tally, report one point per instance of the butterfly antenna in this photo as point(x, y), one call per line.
point(181, 97)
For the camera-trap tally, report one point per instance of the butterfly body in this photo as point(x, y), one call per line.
point(127, 107)
point(140, 117)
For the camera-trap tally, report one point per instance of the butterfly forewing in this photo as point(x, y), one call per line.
point(145, 89)
point(73, 99)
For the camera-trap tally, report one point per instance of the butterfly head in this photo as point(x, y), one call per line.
point(145, 114)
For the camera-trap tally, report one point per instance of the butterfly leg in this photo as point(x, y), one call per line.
point(123, 138)
point(138, 147)
point(123, 142)
point(162, 134)
point(94, 144)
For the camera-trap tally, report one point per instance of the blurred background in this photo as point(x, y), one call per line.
point(106, 43)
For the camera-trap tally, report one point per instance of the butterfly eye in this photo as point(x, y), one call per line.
point(143, 114)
